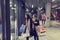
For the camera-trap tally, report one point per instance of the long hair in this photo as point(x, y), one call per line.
point(34, 15)
point(28, 17)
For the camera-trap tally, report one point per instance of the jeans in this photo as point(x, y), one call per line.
point(43, 21)
point(36, 38)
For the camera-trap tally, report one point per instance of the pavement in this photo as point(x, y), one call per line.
point(52, 33)
point(0, 31)
point(0, 36)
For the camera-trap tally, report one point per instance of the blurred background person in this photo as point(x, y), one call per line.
point(43, 18)
point(55, 15)
point(27, 21)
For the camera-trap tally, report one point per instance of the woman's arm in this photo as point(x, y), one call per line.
point(28, 26)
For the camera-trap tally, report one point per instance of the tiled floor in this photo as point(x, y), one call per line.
point(51, 34)
point(0, 36)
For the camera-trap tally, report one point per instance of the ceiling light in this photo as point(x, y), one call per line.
point(10, 2)
point(54, 6)
point(27, 10)
point(10, 5)
point(40, 8)
point(53, 0)
point(15, 5)
point(32, 6)
point(13, 8)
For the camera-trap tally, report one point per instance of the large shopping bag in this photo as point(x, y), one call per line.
point(22, 28)
point(41, 30)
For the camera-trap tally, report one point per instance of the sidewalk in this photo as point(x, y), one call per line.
point(51, 34)
point(0, 36)
point(52, 23)
point(55, 24)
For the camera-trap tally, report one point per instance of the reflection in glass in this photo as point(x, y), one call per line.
point(12, 18)
point(0, 23)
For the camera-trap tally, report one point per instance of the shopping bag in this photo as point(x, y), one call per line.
point(22, 28)
point(41, 34)
point(41, 29)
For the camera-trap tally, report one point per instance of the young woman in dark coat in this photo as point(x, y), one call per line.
point(28, 22)
point(35, 23)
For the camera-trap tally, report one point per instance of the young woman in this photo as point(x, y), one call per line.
point(43, 19)
point(35, 23)
point(28, 21)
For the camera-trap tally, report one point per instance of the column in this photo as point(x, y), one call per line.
point(3, 20)
point(7, 12)
point(48, 12)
